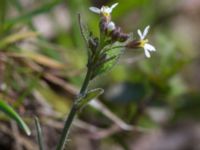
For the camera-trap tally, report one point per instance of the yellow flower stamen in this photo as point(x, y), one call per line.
point(143, 42)
point(105, 12)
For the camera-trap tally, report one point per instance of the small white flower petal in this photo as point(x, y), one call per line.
point(147, 53)
point(113, 6)
point(95, 10)
point(111, 26)
point(149, 47)
point(106, 10)
point(146, 30)
point(140, 34)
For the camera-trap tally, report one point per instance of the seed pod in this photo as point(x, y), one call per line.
point(93, 44)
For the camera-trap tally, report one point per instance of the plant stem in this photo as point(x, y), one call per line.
point(73, 112)
point(66, 128)
point(86, 82)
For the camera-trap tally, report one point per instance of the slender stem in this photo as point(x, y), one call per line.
point(86, 82)
point(73, 112)
point(66, 128)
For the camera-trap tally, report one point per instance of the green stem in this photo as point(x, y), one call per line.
point(86, 82)
point(73, 113)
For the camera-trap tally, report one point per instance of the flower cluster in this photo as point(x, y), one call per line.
point(108, 27)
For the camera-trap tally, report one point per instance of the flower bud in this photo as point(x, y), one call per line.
point(123, 37)
point(109, 29)
point(111, 26)
point(134, 44)
point(115, 34)
point(118, 35)
point(93, 44)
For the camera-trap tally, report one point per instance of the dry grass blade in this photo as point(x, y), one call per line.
point(40, 59)
point(17, 37)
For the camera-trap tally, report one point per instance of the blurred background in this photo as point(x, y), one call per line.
point(148, 104)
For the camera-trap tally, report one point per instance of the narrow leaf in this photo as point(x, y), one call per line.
point(39, 134)
point(88, 39)
point(84, 31)
point(8, 110)
point(83, 101)
point(112, 56)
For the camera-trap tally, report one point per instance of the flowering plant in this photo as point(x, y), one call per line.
point(103, 53)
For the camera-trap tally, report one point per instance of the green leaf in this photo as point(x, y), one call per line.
point(112, 56)
point(89, 39)
point(84, 31)
point(83, 101)
point(39, 134)
point(4, 107)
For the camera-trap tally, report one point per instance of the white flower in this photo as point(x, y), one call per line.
point(144, 42)
point(105, 10)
